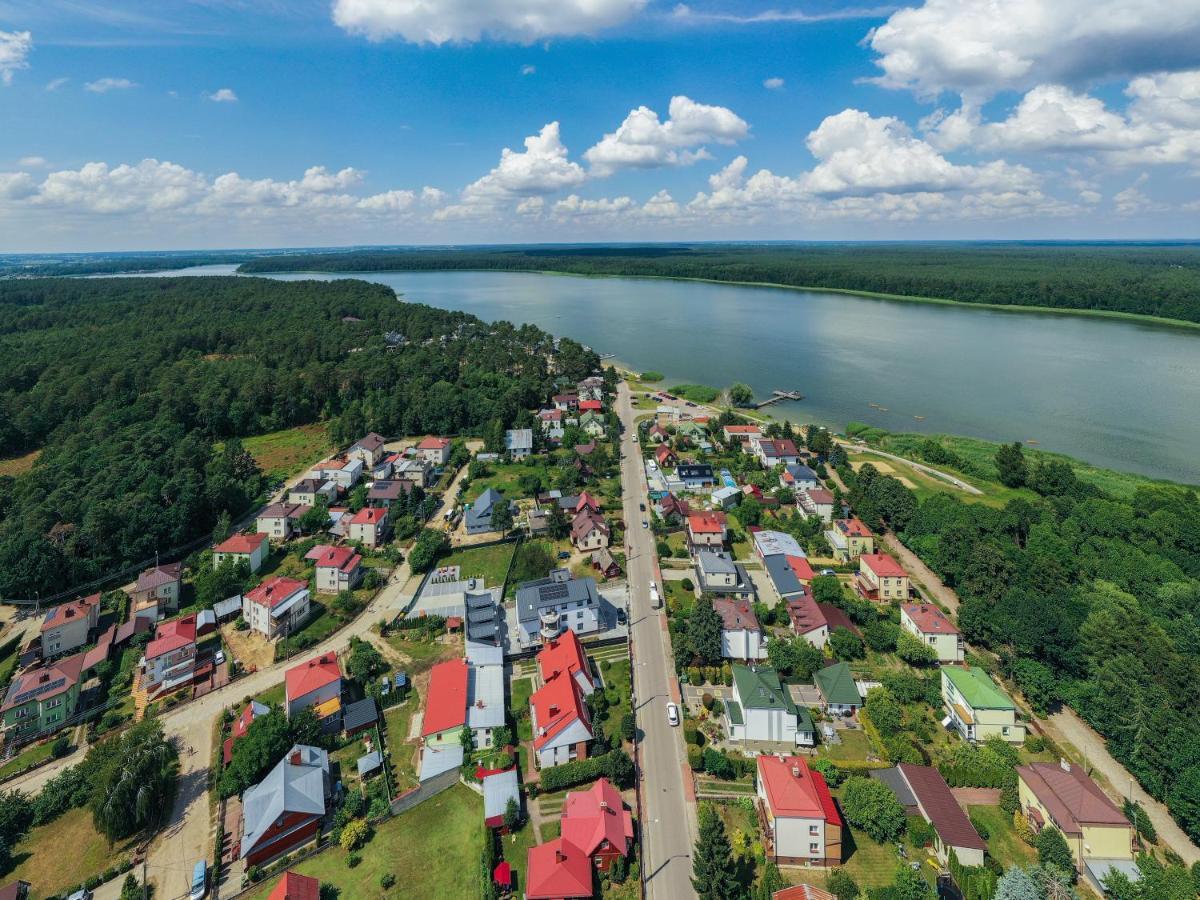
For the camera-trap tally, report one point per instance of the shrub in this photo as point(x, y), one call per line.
point(1035, 743)
point(980, 827)
point(354, 835)
point(387, 880)
point(707, 700)
point(687, 585)
point(920, 832)
point(829, 771)
point(695, 757)
point(353, 860)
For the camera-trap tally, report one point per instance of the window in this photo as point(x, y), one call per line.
point(814, 847)
point(814, 829)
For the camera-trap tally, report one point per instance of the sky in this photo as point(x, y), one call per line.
point(189, 124)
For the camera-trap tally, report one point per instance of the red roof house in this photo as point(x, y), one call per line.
point(793, 794)
point(561, 724)
point(663, 455)
point(557, 870)
point(564, 656)
point(446, 703)
point(593, 405)
point(296, 887)
point(315, 683)
point(240, 725)
point(597, 822)
point(274, 591)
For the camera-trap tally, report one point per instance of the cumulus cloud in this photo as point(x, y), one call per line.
point(445, 21)
point(542, 168)
point(223, 95)
point(14, 53)
point(104, 85)
point(773, 84)
point(150, 186)
point(642, 141)
point(978, 48)
point(32, 162)
point(55, 83)
point(16, 185)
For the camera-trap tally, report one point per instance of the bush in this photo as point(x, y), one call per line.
point(387, 880)
point(354, 835)
point(353, 860)
point(695, 757)
point(707, 700)
point(920, 832)
point(687, 585)
point(1035, 743)
point(829, 771)
point(980, 827)
point(61, 747)
point(870, 805)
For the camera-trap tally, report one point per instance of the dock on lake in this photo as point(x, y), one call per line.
point(779, 397)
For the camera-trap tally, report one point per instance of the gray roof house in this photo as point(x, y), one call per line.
point(546, 606)
point(485, 700)
point(518, 442)
point(498, 789)
point(719, 574)
point(479, 517)
point(782, 576)
point(296, 788)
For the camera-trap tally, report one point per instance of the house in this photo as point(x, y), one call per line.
point(548, 606)
point(667, 415)
point(296, 887)
point(284, 811)
point(338, 568)
point(931, 627)
point(162, 583)
point(591, 405)
point(251, 549)
point(761, 708)
point(798, 477)
point(589, 531)
point(565, 402)
point(604, 563)
point(307, 491)
point(586, 501)
point(41, 699)
point(15, 890)
point(839, 693)
point(557, 870)
point(478, 518)
point(171, 656)
point(1062, 796)
point(717, 573)
point(695, 476)
point(976, 707)
point(499, 790)
point(777, 453)
point(657, 434)
point(672, 509)
point(807, 619)
point(741, 635)
point(485, 699)
point(783, 575)
point(343, 471)
point(240, 726)
point(881, 578)
point(564, 655)
point(369, 450)
point(585, 449)
point(316, 684)
point(552, 424)
point(67, 626)
point(727, 497)
point(417, 472)
point(815, 502)
point(279, 521)
point(277, 607)
point(664, 456)
point(743, 435)
point(369, 526)
point(802, 891)
point(434, 450)
point(518, 442)
point(706, 529)
point(849, 539)
point(935, 803)
point(446, 703)
point(593, 423)
point(382, 494)
point(562, 726)
point(800, 822)
point(597, 821)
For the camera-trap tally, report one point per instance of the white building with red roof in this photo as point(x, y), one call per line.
point(338, 568)
point(931, 627)
point(744, 435)
point(597, 821)
point(67, 626)
point(800, 822)
point(707, 529)
point(435, 450)
point(741, 635)
point(277, 607)
point(807, 619)
point(315, 684)
point(564, 655)
point(881, 578)
point(251, 549)
point(369, 526)
point(816, 502)
point(171, 656)
point(589, 531)
point(562, 726)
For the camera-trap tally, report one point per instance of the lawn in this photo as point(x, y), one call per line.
point(398, 719)
point(518, 703)
point(868, 863)
point(1003, 844)
point(678, 597)
point(26, 758)
point(616, 683)
point(432, 850)
point(272, 696)
point(320, 625)
point(421, 655)
point(56, 857)
point(19, 465)
point(489, 563)
point(284, 453)
point(505, 477)
point(515, 849)
point(854, 745)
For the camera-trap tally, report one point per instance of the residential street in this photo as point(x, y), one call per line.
point(668, 818)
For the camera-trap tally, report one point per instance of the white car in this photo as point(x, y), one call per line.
point(672, 715)
point(645, 524)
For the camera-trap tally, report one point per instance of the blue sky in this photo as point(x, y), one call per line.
point(217, 123)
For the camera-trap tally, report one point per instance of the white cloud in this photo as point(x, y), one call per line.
point(773, 84)
point(149, 186)
point(16, 185)
point(642, 141)
point(104, 85)
point(223, 95)
point(542, 168)
point(684, 13)
point(445, 21)
point(14, 53)
point(528, 69)
point(32, 162)
point(55, 83)
point(980, 47)
point(574, 206)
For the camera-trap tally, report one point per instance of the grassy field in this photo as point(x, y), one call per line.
point(518, 702)
point(505, 478)
point(284, 453)
point(515, 849)
point(421, 655)
point(398, 719)
point(489, 563)
point(1003, 844)
point(432, 850)
point(616, 683)
point(19, 465)
point(10, 653)
point(56, 857)
point(272, 696)
point(854, 745)
point(26, 758)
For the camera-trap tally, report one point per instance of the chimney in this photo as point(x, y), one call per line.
point(604, 806)
point(795, 771)
point(1064, 764)
point(559, 856)
point(553, 709)
point(295, 757)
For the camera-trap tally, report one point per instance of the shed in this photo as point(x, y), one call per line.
point(360, 715)
point(369, 763)
point(498, 789)
point(228, 609)
point(206, 621)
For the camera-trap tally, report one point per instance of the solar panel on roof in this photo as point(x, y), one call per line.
point(26, 696)
point(555, 592)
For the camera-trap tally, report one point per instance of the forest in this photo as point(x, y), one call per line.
point(1153, 280)
point(1087, 600)
point(135, 392)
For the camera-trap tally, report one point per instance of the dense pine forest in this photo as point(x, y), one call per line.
point(1152, 280)
point(128, 387)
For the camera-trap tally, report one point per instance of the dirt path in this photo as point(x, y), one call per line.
point(920, 572)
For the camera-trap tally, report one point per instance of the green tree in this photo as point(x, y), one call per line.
point(870, 805)
point(1011, 465)
point(841, 885)
point(224, 527)
point(502, 517)
point(910, 885)
point(467, 738)
point(884, 711)
point(910, 649)
point(425, 549)
point(315, 518)
point(846, 644)
point(265, 742)
point(130, 889)
point(771, 881)
point(365, 662)
point(1053, 850)
point(704, 631)
point(827, 589)
point(512, 814)
point(1018, 884)
point(712, 861)
point(134, 778)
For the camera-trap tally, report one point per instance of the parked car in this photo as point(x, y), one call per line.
point(645, 524)
point(672, 714)
point(828, 572)
point(642, 507)
point(219, 657)
point(199, 881)
point(621, 617)
point(563, 554)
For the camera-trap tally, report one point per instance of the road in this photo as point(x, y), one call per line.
point(668, 819)
point(920, 467)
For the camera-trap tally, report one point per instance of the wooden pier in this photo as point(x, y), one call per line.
point(779, 397)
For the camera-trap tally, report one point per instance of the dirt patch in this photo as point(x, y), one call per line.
point(19, 465)
point(249, 648)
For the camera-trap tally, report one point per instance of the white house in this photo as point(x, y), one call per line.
point(435, 450)
point(251, 549)
point(369, 450)
point(369, 526)
point(171, 656)
point(741, 635)
point(345, 472)
point(277, 607)
point(338, 568)
point(518, 442)
point(761, 708)
point(279, 520)
point(930, 625)
point(804, 827)
point(816, 502)
point(561, 724)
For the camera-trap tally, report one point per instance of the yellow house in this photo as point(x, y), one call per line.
point(849, 539)
point(977, 707)
point(1063, 797)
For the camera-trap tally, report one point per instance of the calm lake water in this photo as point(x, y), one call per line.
point(1115, 393)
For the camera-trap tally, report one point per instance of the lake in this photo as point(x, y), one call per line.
point(1116, 393)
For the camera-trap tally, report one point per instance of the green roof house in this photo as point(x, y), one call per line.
point(592, 423)
point(976, 706)
point(762, 709)
point(838, 690)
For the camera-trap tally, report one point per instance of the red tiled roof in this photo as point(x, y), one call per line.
point(742, 429)
point(805, 614)
point(241, 543)
point(312, 675)
point(563, 654)
point(66, 612)
point(585, 405)
point(171, 636)
point(662, 453)
point(591, 817)
point(369, 515)
point(853, 527)
point(938, 805)
point(820, 495)
point(585, 522)
point(275, 590)
point(1072, 799)
point(557, 870)
point(587, 501)
point(837, 618)
point(736, 614)
point(446, 703)
point(929, 619)
point(434, 443)
point(883, 565)
point(325, 556)
point(801, 567)
point(803, 892)
point(556, 704)
point(159, 575)
point(65, 670)
point(791, 787)
point(296, 887)
point(702, 522)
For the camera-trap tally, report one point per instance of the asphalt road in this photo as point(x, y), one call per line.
point(668, 819)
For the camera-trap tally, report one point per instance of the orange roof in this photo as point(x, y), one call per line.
point(67, 612)
point(369, 515)
point(801, 567)
point(706, 522)
point(446, 703)
point(241, 543)
point(742, 429)
point(853, 527)
point(795, 790)
point(312, 675)
point(325, 556)
point(929, 619)
point(434, 443)
point(275, 590)
point(296, 887)
point(882, 565)
point(557, 870)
